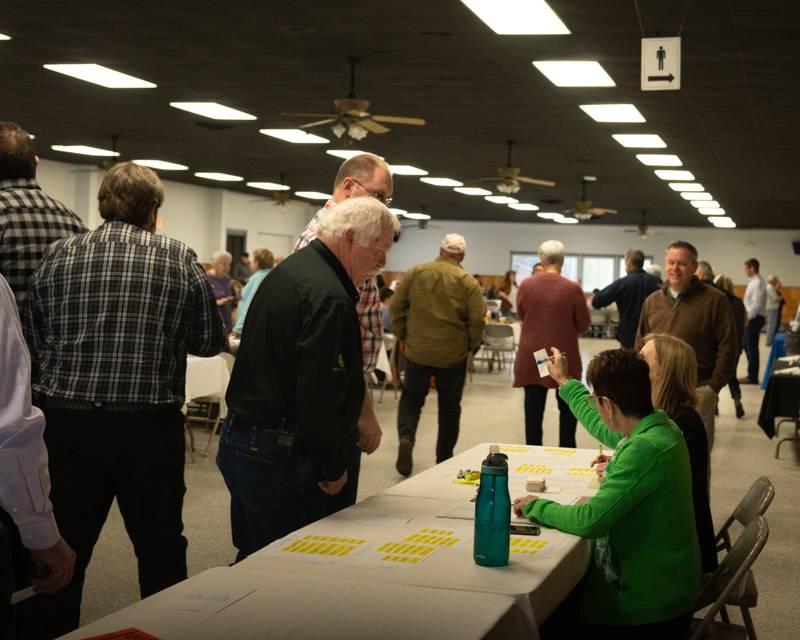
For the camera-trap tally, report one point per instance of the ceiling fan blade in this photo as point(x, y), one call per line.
point(600, 211)
point(356, 113)
point(309, 115)
point(417, 122)
point(318, 123)
point(372, 126)
point(541, 183)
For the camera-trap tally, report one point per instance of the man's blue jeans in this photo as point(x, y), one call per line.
point(270, 498)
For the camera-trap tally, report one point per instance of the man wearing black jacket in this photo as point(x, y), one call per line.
point(297, 386)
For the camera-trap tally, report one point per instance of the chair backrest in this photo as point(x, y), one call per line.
point(498, 331)
point(754, 503)
point(732, 570)
point(598, 316)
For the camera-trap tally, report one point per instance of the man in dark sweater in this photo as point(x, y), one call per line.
point(629, 293)
point(297, 387)
point(702, 316)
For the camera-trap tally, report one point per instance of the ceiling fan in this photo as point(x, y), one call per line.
point(280, 196)
point(351, 118)
point(584, 210)
point(642, 229)
point(508, 178)
point(417, 220)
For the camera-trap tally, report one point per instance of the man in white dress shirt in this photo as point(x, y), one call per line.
point(25, 508)
point(755, 304)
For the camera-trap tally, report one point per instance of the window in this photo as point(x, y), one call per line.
point(589, 271)
point(623, 273)
point(597, 272)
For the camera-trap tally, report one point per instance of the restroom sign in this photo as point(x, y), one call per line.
point(661, 64)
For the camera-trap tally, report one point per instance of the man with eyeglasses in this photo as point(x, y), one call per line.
point(362, 175)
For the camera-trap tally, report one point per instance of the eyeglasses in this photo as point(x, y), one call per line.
point(380, 196)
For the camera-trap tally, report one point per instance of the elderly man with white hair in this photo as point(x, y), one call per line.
point(297, 387)
point(439, 312)
point(553, 313)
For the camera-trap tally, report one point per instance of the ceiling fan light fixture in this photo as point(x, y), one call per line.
point(161, 165)
point(523, 206)
point(269, 186)
point(83, 150)
point(356, 131)
point(98, 74)
point(674, 174)
point(406, 170)
point(212, 110)
point(574, 73)
point(659, 159)
point(442, 182)
point(686, 186)
point(295, 136)
point(338, 130)
point(518, 17)
point(640, 140)
point(508, 187)
point(612, 112)
point(501, 200)
point(472, 191)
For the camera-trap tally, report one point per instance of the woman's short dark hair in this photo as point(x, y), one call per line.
point(129, 192)
point(623, 376)
point(17, 153)
point(385, 293)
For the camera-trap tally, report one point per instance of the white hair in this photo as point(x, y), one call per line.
point(366, 215)
point(221, 257)
point(551, 252)
point(655, 270)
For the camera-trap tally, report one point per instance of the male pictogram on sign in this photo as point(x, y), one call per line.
point(660, 55)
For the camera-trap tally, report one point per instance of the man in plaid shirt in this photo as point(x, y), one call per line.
point(110, 317)
point(29, 219)
point(362, 175)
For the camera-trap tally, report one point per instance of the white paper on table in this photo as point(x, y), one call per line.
point(206, 600)
point(388, 519)
point(541, 354)
point(462, 511)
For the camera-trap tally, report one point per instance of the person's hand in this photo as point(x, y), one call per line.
point(333, 487)
point(521, 503)
point(602, 463)
point(600, 459)
point(558, 367)
point(53, 567)
point(369, 430)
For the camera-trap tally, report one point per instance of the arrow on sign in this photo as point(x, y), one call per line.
point(668, 78)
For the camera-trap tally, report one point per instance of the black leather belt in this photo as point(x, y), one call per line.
point(273, 433)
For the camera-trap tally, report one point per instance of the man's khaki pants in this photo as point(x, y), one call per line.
point(706, 407)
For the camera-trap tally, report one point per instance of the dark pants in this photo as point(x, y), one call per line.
point(535, 399)
point(449, 386)
point(96, 456)
point(751, 333)
point(733, 383)
point(273, 495)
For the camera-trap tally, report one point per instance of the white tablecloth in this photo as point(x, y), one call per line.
point(207, 377)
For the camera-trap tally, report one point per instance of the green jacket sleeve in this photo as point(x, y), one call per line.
point(633, 475)
point(575, 395)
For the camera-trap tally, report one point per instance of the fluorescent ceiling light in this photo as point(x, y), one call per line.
point(417, 216)
point(3, 36)
point(567, 220)
point(674, 174)
point(212, 110)
point(398, 212)
point(84, 150)
point(518, 17)
point(473, 191)
point(162, 165)
point(295, 136)
point(659, 159)
point(722, 222)
point(524, 206)
point(313, 195)
point(442, 182)
point(269, 186)
point(548, 215)
point(98, 74)
point(640, 140)
point(501, 199)
point(686, 186)
point(406, 170)
point(697, 195)
point(345, 154)
point(704, 204)
point(712, 211)
point(222, 177)
point(574, 73)
point(613, 112)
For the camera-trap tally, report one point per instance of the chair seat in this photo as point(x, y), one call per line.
point(744, 595)
point(721, 630)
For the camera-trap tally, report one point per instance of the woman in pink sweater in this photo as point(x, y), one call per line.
point(553, 313)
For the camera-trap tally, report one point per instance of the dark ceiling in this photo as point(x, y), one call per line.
point(735, 123)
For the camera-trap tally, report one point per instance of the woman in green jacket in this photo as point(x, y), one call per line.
point(646, 570)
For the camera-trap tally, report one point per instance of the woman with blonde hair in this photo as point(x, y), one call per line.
point(673, 380)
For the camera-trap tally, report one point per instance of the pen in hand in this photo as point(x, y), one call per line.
point(543, 360)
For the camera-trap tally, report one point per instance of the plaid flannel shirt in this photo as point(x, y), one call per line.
point(29, 221)
point(368, 306)
point(111, 315)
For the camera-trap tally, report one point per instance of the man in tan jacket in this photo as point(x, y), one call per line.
point(439, 312)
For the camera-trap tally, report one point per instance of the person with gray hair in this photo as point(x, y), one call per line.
point(222, 286)
point(111, 315)
point(553, 313)
point(285, 445)
point(705, 273)
point(439, 312)
point(629, 293)
point(775, 302)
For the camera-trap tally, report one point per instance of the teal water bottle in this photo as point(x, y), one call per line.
point(493, 512)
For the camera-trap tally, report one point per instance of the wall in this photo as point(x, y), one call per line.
point(489, 245)
point(198, 216)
